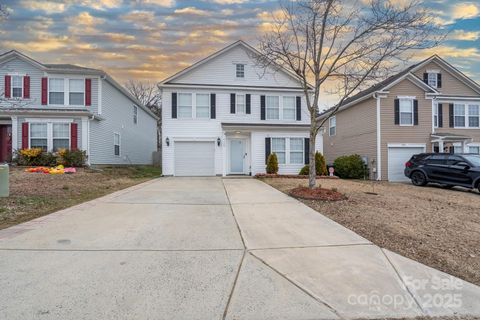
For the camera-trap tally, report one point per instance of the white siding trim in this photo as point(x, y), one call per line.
point(52, 120)
point(407, 145)
point(85, 134)
point(100, 81)
point(14, 134)
point(379, 140)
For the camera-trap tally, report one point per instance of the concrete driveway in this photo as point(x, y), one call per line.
point(210, 248)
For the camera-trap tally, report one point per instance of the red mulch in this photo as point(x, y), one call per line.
point(317, 194)
point(290, 176)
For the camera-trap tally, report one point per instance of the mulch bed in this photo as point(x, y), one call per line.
point(290, 176)
point(317, 194)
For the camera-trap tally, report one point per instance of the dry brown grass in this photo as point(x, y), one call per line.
point(36, 194)
point(438, 227)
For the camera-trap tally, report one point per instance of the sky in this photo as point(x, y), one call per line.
point(149, 40)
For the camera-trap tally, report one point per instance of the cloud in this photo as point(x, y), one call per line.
point(138, 16)
point(119, 37)
point(464, 35)
point(228, 1)
point(99, 4)
point(450, 52)
point(465, 11)
point(161, 3)
point(192, 11)
point(43, 44)
point(48, 7)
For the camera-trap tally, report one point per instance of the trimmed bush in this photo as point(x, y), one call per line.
point(272, 164)
point(38, 157)
point(320, 166)
point(72, 158)
point(350, 167)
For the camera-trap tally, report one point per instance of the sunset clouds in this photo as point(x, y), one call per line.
point(151, 39)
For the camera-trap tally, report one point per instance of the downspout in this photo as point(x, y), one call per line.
point(379, 139)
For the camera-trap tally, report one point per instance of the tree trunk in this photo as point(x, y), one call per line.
point(312, 170)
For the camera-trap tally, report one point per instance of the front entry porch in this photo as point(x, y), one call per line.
point(450, 143)
point(238, 155)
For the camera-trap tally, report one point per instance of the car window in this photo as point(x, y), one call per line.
point(454, 159)
point(475, 160)
point(437, 159)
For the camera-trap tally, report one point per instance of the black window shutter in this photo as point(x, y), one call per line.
point(174, 105)
point(232, 102)
point(306, 147)
point(415, 112)
point(439, 80)
point(450, 111)
point(440, 115)
point(299, 109)
point(267, 148)
point(213, 101)
point(397, 111)
point(262, 107)
point(425, 78)
point(248, 108)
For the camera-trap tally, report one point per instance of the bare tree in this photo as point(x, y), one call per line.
point(3, 12)
point(149, 95)
point(347, 42)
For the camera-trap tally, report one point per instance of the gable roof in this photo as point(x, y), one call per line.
point(409, 74)
point(218, 53)
point(71, 68)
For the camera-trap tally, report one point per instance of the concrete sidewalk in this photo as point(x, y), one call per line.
point(211, 248)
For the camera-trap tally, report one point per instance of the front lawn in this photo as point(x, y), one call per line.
point(437, 227)
point(36, 194)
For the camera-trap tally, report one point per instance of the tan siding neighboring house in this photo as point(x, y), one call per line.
point(355, 133)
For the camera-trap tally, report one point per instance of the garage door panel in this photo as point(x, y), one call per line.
point(397, 156)
point(194, 158)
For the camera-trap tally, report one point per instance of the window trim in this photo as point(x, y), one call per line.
point(119, 144)
point(284, 150)
point(301, 150)
point(49, 124)
point(63, 138)
point(435, 115)
point(208, 106)
point(69, 91)
point(22, 86)
point(266, 108)
point(400, 111)
point(179, 106)
point(135, 114)
point(334, 127)
point(49, 90)
point(473, 145)
point(244, 103)
point(294, 108)
point(436, 79)
point(237, 71)
point(45, 138)
point(466, 115)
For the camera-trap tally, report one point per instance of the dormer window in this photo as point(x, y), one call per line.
point(240, 70)
point(433, 78)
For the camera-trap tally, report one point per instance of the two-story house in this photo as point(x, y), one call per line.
point(429, 107)
point(224, 115)
point(52, 106)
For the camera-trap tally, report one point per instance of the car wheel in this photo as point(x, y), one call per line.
point(418, 178)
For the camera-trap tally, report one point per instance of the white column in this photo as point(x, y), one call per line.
point(14, 134)
point(440, 146)
point(379, 141)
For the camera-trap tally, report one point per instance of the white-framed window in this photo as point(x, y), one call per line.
point(39, 136)
point(56, 91)
point(406, 112)
point(433, 79)
point(240, 103)
point(17, 87)
point(116, 144)
point(297, 150)
point(289, 108)
point(203, 105)
point(459, 115)
point(473, 116)
point(76, 92)
point(279, 148)
point(60, 136)
point(273, 107)
point(240, 70)
point(435, 115)
point(184, 105)
point(135, 114)
point(332, 126)
point(474, 149)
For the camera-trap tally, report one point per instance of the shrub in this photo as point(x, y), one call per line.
point(35, 157)
point(320, 166)
point(272, 164)
point(350, 167)
point(72, 158)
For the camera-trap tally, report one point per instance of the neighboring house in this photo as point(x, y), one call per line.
point(429, 107)
point(224, 115)
point(52, 106)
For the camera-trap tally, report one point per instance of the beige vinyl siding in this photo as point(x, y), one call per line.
point(450, 84)
point(356, 133)
point(392, 133)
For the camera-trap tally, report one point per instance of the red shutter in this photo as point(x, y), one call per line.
point(88, 92)
point(26, 87)
point(25, 135)
point(73, 136)
point(44, 91)
point(7, 86)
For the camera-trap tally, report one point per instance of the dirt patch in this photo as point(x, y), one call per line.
point(316, 194)
point(437, 227)
point(36, 194)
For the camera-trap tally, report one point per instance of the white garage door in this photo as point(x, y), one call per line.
point(397, 156)
point(194, 158)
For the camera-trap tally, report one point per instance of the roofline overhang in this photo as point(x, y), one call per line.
point(269, 126)
point(228, 87)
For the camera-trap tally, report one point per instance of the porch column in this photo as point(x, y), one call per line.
point(440, 146)
point(14, 134)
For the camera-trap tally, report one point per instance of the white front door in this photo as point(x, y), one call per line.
point(237, 156)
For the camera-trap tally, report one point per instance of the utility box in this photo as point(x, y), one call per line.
point(4, 184)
